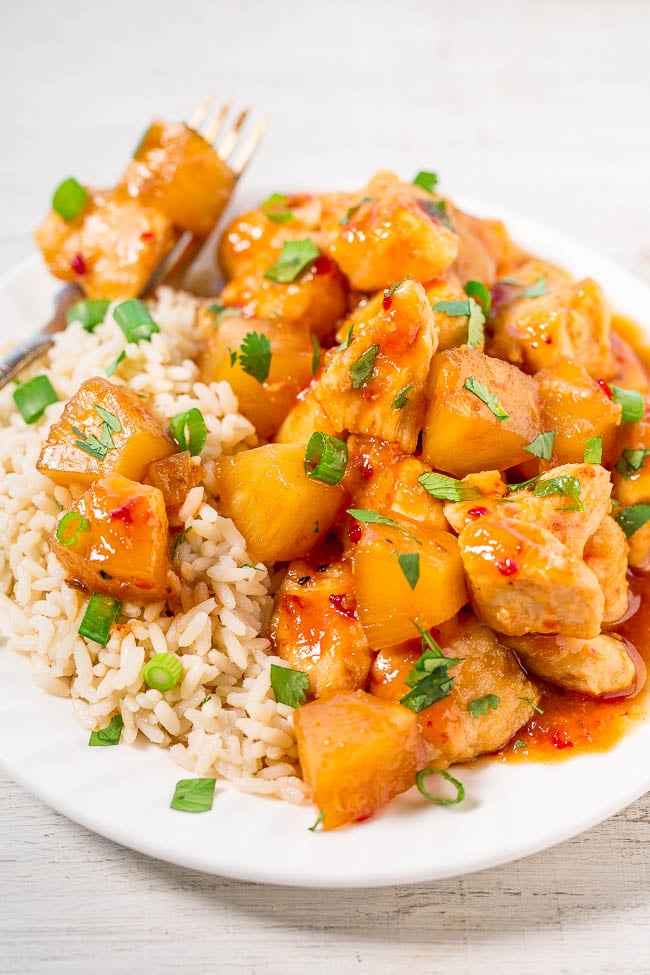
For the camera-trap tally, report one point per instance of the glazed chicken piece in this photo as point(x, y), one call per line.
point(629, 372)
point(111, 248)
point(555, 512)
point(562, 319)
point(305, 417)
point(487, 669)
point(174, 476)
point(176, 171)
point(396, 230)
point(451, 329)
point(485, 249)
point(523, 580)
point(606, 555)
point(462, 433)
point(376, 385)
point(595, 667)
point(315, 627)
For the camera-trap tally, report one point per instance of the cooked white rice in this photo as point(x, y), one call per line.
point(222, 718)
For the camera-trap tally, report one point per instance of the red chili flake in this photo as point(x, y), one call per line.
point(355, 533)
point(78, 264)
point(548, 340)
point(387, 302)
point(478, 512)
point(559, 742)
point(366, 469)
point(606, 388)
point(323, 265)
point(147, 236)
point(345, 604)
point(507, 567)
point(125, 512)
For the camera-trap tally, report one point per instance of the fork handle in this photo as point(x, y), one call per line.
point(35, 345)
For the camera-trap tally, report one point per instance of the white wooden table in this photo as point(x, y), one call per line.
point(541, 107)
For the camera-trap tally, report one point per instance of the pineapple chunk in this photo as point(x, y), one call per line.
point(175, 170)
point(461, 433)
point(523, 580)
point(396, 232)
point(315, 627)
point(315, 300)
point(280, 511)
point(629, 370)
point(635, 487)
point(111, 249)
point(386, 398)
point(387, 603)
point(139, 440)
point(123, 552)
point(305, 417)
point(265, 403)
point(356, 753)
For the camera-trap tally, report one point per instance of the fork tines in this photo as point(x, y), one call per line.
point(235, 148)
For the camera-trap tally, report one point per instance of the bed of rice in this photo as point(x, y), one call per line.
point(222, 718)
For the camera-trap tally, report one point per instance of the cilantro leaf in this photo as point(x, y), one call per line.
point(223, 311)
point(536, 707)
point(447, 488)
point(193, 795)
point(483, 704)
point(348, 338)
point(593, 450)
point(631, 402)
point(542, 445)
point(453, 308)
point(427, 181)
point(289, 686)
point(321, 817)
point(255, 356)
point(437, 211)
point(402, 398)
point(631, 461)
point(563, 484)
point(370, 517)
point(519, 744)
point(429, 680)
point(540, 287)
point(353, 209)
point(295, 256)
point(110, 735)
point(632, 518)
point(409, 563)
point(90, 444)
point(474, 289)
point(112, 366)
point(361, 370)
point(470, 308)
point(315, 356)
point(483, 393)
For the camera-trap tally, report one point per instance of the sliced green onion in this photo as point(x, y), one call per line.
point(193, 795)
point(409, 563)
point(631, 402)
point(90, 313)
point(33, 396)
point(460, 788)
point(189, 431)
point(427, 181)
point(110, 735)
point(69, 199)
point(326, 458)
point(163, 671)
point(134, 318)
point(474, 289)
point(101, 613)
point(276, 208)
point(70, 528)
point(542, 445)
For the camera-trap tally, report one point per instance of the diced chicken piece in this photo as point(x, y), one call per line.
point(599, 666)
point(606, 555)
point(485, 249)
point(305, 417)
point(523, 580)
point(639, 549)
point(139, 439)
point(174, 476)
point(282, 513)
point(315, 627)
point(451, 329)
point(263, 401)
point(376, 386)
point(578, 409)
point(118, 545)
point(356, 753)
point(403, 574)
point(316, 300)
point(111, 249)
point(399, 230)
point(487, 668)
point(176, 171)
point(462, 434)
point(565, 320)
point(380, 477)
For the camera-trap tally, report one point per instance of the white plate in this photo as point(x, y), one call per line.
point(124, 793)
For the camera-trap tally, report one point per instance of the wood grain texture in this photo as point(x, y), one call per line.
point(540, 107)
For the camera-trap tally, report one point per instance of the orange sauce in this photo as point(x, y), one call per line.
point(631, 332)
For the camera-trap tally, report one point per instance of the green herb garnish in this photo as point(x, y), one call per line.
point(110, 735)
point(33, 397)
point(633, 517)
point(563, 484)
point(348, 338)
point(352, 210)
point(134, 318)
point(370, 517)
point(429, 680)
point(361, 369)
point(295, 256)
point(112, 366)
point(255, 356)
point(437, 211)
point(409, 563)
point(315, 356)
point(474, 289)
point(90, 312)
point(540, 287)
point(631, 461)
point(483, 393)
point(326, 458)
point(427, 181)
point(536, 707)
point(542, 445)
point(460, 788)
point(447, 488)
point(224, 311)
point(593, 453)
point(69, 199)
point(189, 431)
point(163, 672)
point(402, 398)
point(289, 686)
point(70, 528)
point(193, 795)
point(482, 705)
point(519, 744)
point(631, 402)
point(321, 817)
point(101, 613)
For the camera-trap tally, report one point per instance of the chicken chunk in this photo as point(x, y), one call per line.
point(560, 320)
point(451, 329)
point(485, 249)
point(639, 548)
point(397, 230)
point(606, 555)
point(596, 667)
point(111, 249)
point(523, 580)
point(305, 417)
point(376, 385)
point(488, 671)
point(315, 627)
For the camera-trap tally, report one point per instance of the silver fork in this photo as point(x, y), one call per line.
point(235, 150)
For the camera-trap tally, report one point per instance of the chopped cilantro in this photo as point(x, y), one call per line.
point(633, 517)
point(361, 369)
point(427, 181)
point(540, 287)
point(447, 488)
point(563, 484)
point(409, 563)
point(482, 705)
point(593, 450)
point(295, 256)
point(536, 707)
point(370, 517)
point(255, 356)
point(402, 398)
point(289, 686)
point(483, 393)
point(542, 445)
